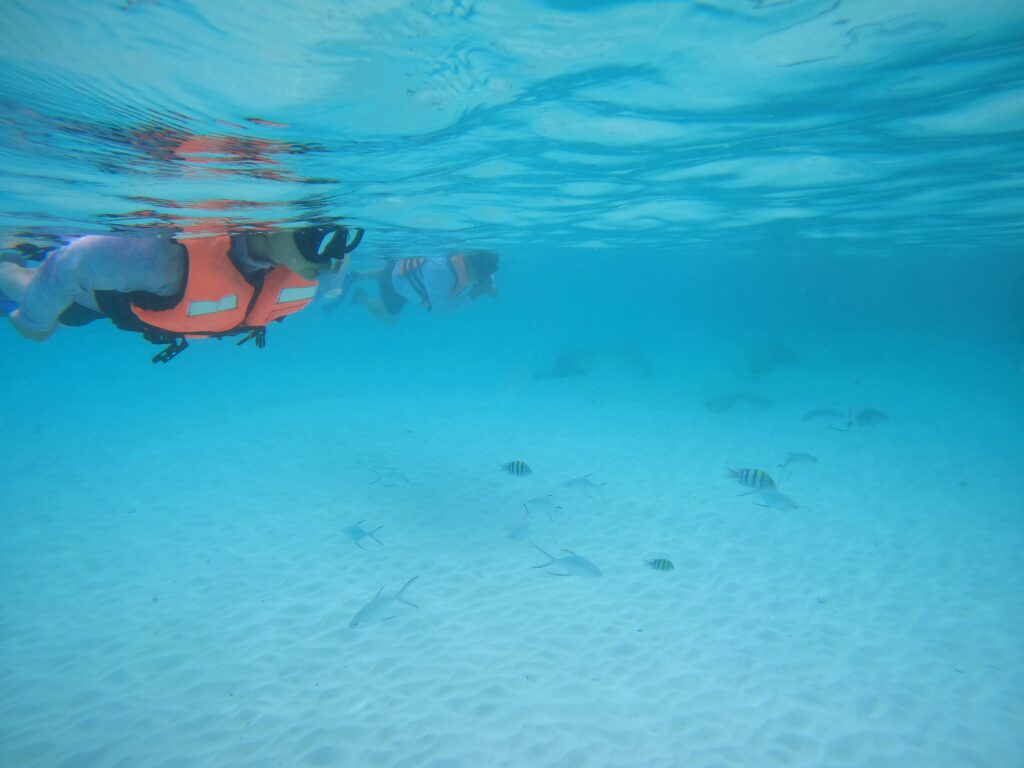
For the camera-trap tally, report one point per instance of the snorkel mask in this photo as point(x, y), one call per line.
point(318, 245)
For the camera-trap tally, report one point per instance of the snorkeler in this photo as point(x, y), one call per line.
point(440, 284)
point(169, 290)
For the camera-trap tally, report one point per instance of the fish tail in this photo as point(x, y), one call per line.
point(549, 557)
point(731, 473)
point(374, 531)
point(398, 594)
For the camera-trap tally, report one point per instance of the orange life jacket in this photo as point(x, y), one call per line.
point(217, 299)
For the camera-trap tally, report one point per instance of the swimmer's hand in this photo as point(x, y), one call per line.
point(487, 287)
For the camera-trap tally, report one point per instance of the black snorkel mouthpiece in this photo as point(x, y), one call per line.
point(318, 245)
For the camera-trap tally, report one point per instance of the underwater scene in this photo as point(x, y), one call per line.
point(524, 383)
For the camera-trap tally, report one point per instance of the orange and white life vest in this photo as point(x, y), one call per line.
point(217, 299)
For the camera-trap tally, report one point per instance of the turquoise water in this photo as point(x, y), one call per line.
point(718, 217)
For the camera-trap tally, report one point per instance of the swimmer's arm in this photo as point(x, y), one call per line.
point(47, 294)
point(94, 263)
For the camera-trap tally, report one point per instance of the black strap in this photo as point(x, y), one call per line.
point(415, 278)
point(174, 349)
point(259, 334)
point(355, 241)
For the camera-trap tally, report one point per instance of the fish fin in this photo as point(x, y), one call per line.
point(364, 549)
point(410, 603)
point(378, 592)
point(570, 552)
point(745, 493)
point(379, 476)
point(555, 573)
point(371, 535)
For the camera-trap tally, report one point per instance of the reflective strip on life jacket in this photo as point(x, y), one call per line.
point(196, 308)
point(283, 293)
point(298, 293)
point(216, 294)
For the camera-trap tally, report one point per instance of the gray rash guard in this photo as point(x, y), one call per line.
point(438, 279)
point(122, 263)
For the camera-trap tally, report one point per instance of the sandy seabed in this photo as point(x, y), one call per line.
point(177, 591)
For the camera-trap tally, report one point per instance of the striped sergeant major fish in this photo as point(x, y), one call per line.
point(661, 564)
point(753, 478)
point(517, 468)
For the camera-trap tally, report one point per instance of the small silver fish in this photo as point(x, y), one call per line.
point(390, 478)
point(357, 533)
point(870, 417)
point(586, 487)
point(521, 532)
point(774, 499)
point(798, 458)
point(571, 563)
point(543, 504)
point(823, 416)
point(722, 403)
point(381, 607)
point(719, 403)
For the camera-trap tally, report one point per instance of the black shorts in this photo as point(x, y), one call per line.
point(77, 315)
point(393, 303)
